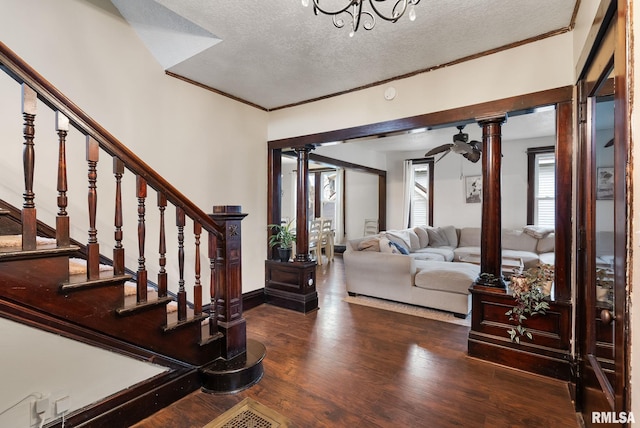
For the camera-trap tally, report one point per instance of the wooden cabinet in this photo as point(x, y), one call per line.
point(549, 353)
point(291, 285)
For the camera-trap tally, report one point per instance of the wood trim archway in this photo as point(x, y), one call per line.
point(562, 97)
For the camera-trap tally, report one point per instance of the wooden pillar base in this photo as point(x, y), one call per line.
point(234, 375)
point(548, 353)
point(291, 285)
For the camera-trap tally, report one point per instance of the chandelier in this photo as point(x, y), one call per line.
point(353, 12)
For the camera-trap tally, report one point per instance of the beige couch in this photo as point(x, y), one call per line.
point(421, 266)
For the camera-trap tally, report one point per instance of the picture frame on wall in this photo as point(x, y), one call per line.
point(604, 183)
point(473, 189)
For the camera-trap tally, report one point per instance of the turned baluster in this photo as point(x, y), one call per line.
point(29, 225)
point(118, 251)
point(182, 294)
point(162, 275)
point(197, 288)
point(213, 286)
point(93, 248)
point(62, 220)
point(141, 275)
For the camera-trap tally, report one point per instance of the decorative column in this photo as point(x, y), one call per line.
point(302, 233)
point(293, 285)
point(491, 230)
point(228, 269)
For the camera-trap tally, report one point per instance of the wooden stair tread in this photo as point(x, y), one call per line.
point(105, 279)
point(17, 253)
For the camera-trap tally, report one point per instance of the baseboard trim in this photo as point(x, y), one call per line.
point(253, 299)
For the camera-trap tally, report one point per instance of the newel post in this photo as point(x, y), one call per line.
point(228, 267)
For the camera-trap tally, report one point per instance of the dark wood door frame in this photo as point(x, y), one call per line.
point(607, 47)
point(561, 97)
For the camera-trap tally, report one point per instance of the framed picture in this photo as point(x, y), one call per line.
point(604, 183)
point(473, 189)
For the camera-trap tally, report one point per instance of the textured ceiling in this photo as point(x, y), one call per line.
point(278, 53)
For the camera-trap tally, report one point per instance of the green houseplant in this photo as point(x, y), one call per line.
point(283, 238)
point(531, 290)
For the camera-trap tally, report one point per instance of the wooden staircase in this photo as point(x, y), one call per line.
point(123, 308)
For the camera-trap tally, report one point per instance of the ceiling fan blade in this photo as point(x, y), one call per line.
point(439, 149)
point(461, 147)
point(474, 156)
point(443, 155)
point(476, 144)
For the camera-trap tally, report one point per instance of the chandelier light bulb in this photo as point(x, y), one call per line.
point(412, 13)
point(305, 3)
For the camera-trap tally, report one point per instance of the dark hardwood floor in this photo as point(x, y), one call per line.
point(353, 366)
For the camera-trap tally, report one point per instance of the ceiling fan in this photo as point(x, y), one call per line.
point(470, 150)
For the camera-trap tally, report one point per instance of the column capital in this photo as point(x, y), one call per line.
point(493, 118)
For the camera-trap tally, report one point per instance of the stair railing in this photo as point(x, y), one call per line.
point(222, 226)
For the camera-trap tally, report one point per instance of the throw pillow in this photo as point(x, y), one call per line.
point(423, 236)
point(437, 237)
point(400, 248)
point(414, 241)
point(537, 232)
point(386, 247)
point(452, 235)
point(369, 244)
point(400, 237)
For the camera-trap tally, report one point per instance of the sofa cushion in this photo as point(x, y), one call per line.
point(446, 253)
point(529, 258)
point(518, 240)
point(446, 236)
point(419, 255)
point(547, 244)
point(414, 240)
point(444, 276)
point(423, 236)
point(470, 237)
point(547, 258)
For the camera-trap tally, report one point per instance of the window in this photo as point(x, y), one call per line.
point(542, 187)
point(421, 210)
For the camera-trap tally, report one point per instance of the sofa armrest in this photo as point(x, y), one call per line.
point(379, 274)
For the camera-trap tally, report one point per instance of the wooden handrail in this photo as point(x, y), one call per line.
point(20, 71)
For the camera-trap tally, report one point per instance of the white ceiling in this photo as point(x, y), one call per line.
point(277, 53)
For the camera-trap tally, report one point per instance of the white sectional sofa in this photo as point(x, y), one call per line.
point(421, 266)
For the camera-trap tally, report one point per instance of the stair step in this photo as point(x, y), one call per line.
point(4, 211)
point(144, 306)
point(174, 324)
point(79, 282)
point(44, 251)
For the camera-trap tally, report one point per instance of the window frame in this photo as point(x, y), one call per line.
point(532, 155)
point(430, 189)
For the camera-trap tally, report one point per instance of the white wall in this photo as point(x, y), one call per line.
point(449, 203)
point(361, 200)
point(36, 363)
point(518, 71)
point(199, 141)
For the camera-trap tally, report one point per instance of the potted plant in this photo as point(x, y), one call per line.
point(531, 290)
point(283, 238)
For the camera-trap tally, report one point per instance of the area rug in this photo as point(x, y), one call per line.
point(404, 308)
point(249, 414)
